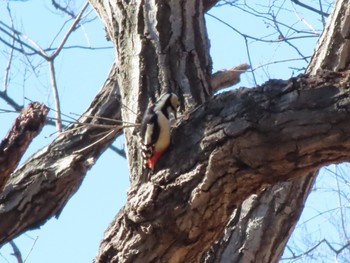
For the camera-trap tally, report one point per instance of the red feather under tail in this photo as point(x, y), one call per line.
point(151, 162)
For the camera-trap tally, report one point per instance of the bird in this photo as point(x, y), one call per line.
point(155, 128)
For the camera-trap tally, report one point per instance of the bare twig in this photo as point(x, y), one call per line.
point(49, 58)
point(308, 251)
point(52, 68)
point(250, 59)
point(276, 40)
point(322, 16)
point(4, 28)
point(277, 61)
point(108, 134)
point(266, 16)
point(120, 152)
point(297, 2)
point(303, 20)
point(70, 30)
point(63, 9)
point(55, 96)
point(16, 252)
point(342, 216)
point(10, 101)
point(287, 39)
point(9, 61)
point(31, 249)
point(8, 66)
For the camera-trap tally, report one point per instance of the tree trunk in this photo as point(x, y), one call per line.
point(229, 148)
point(180, 243)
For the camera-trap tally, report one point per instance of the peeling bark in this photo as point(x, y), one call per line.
point(26, 126)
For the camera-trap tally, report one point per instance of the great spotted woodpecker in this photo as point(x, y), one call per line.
point(155, 128)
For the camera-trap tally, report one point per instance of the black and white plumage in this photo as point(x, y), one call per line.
point(155, 128)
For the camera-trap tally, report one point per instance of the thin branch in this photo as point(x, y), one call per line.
point(322, 16)
point(277, 40)
point(10, 101)
point(17, 34)
point(120, 152)
point(55, 96)
point(250, 59)
point(265, 16)
point(16, 252)
point(303, 20)
point(70, 30)
point(8, 66)
point(308, 251)
point(287, 40)
point(63, 9)
point(39, 49)
point(341, 207)
point(297, 2)
point(31, 249)
point(278, 61)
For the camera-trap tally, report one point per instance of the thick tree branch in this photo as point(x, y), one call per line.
point(41, 187)
point(261, 136)
point(150, 238)
point(26, 126)
point(241, 243)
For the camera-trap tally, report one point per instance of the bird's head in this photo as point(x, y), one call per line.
point(168, 103)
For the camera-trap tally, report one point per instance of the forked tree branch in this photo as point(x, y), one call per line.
point(280, 131)
point(54, 174)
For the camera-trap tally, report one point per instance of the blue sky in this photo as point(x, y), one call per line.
point(76, 235)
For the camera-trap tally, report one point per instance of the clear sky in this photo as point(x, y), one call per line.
point(75, 236)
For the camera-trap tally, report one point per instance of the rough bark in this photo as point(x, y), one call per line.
point(259, 228)
point(333, 48)
point(236, 245)
point(261, 136)
point(26, 126)
point(41, 187)
point(269, 251)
